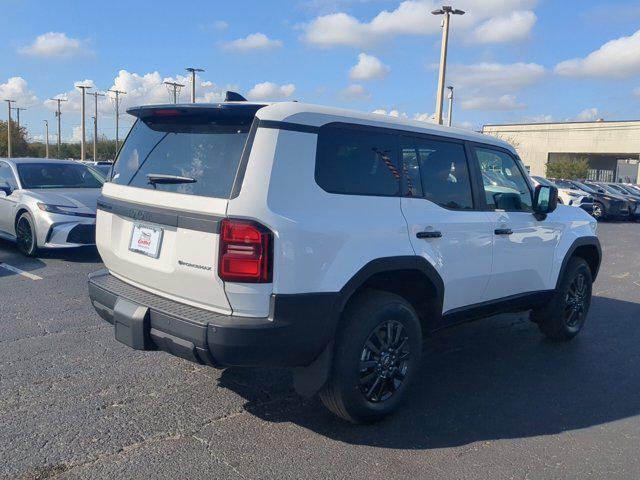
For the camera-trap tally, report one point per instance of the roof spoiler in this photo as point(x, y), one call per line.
point(233, 97)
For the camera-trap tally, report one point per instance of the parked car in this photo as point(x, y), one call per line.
point(630, 199)
point(47, 203)
point(605, 205)
point(568, 196)
point(628, 193)
point(327, 241)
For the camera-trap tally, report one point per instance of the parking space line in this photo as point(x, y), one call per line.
point(20, 272)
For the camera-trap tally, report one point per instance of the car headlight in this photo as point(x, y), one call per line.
point(62, 210)
point(571, 194)
point(606, 197)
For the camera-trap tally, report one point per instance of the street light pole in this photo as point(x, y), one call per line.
point(95, 96)
point(46, 139)
point(450, 114)
point(9, 102)
point(193, 81)
point(447, 11)
point(84, 88)
point(18, 109)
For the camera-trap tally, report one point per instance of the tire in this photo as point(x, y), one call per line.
point(598, 211)
point(370, 378)
point(26, 235)
point(564, 317)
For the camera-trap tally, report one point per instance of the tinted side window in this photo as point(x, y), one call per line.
point(437, 171)
point(504, 184)
point(7, 176)
point(357, 162)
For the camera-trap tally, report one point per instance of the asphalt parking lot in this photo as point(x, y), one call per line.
point(496, 400)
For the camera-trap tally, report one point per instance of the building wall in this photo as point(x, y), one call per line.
point(535, 141)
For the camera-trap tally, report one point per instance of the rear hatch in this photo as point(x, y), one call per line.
point(159, 217)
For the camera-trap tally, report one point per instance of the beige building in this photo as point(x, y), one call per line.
point(612, 148)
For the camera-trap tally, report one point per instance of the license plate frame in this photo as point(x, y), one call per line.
point(142, 232)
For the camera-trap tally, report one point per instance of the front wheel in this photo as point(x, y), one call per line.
point(377, 353)
point(565, 315)
point(598, 211)
point(26, 235)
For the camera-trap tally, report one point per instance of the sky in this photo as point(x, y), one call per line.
point(510, 61)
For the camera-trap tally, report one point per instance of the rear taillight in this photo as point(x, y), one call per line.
point(245, 252)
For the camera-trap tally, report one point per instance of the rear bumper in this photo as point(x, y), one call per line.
point(296, 332)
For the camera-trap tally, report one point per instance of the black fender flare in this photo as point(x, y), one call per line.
point(591, 241)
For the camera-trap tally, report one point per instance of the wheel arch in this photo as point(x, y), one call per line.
point(587, 248)
point(411, 277)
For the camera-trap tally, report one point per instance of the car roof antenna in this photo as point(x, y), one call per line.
point(233, 97)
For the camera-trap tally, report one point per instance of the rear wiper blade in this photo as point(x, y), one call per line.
point(158, 178)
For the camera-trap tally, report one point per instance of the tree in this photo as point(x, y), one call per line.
point(568, 168)
point(19, 147)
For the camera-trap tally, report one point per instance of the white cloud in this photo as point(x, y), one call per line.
point(504, 102)
point(505, 76)
point(354, 92)
point(618, 58)
point(391, 113)
point(542, 118)
point(16, 88)
point(252, 42)
point(413, 17)
point(422, 117)
point(368, 68)
point(144, 89)
point(271, 91)
point(508, 28)
point(55, 45)
point(587, 115)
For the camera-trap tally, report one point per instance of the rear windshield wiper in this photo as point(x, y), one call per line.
point(158, 178)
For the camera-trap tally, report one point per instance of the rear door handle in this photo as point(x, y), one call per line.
point(503, 231)
point(429, 234)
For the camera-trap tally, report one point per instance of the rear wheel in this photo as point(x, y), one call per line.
point(598, 211)
point(377, 353)
point(565, 315)
point(26, 235)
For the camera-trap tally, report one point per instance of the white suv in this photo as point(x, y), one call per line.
point(327, 241)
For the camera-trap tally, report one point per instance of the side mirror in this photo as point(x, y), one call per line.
point(6, 188)
point(545, 200)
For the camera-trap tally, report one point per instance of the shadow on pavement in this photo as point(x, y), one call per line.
point(493, 379)
point(88, 254)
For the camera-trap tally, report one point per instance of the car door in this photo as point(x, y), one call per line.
point(445, 227)
point(524, 246)
point(7, 203)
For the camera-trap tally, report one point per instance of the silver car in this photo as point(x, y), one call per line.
point(48, 203)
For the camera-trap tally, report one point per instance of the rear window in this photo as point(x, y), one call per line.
point(357, 161)
point(61, 175)
point(193, 153)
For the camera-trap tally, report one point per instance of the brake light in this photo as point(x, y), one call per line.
point(245, 252)
point(167, 112)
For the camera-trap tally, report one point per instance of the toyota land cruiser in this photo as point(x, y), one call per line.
point(329, 242)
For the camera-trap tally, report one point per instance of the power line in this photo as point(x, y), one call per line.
point(117, 101)
point(175, 87)
point(58, 115)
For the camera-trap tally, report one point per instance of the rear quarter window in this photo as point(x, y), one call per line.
point(357, 161)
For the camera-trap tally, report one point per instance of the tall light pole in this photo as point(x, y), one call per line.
point(58, 114)
point(95, 96)
point(193, 81)
point(450, 97)
point(117, 100)
point(9, 102)
point(46, 139)
point(174, 86)
point(447, 11)
point(84, 88)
